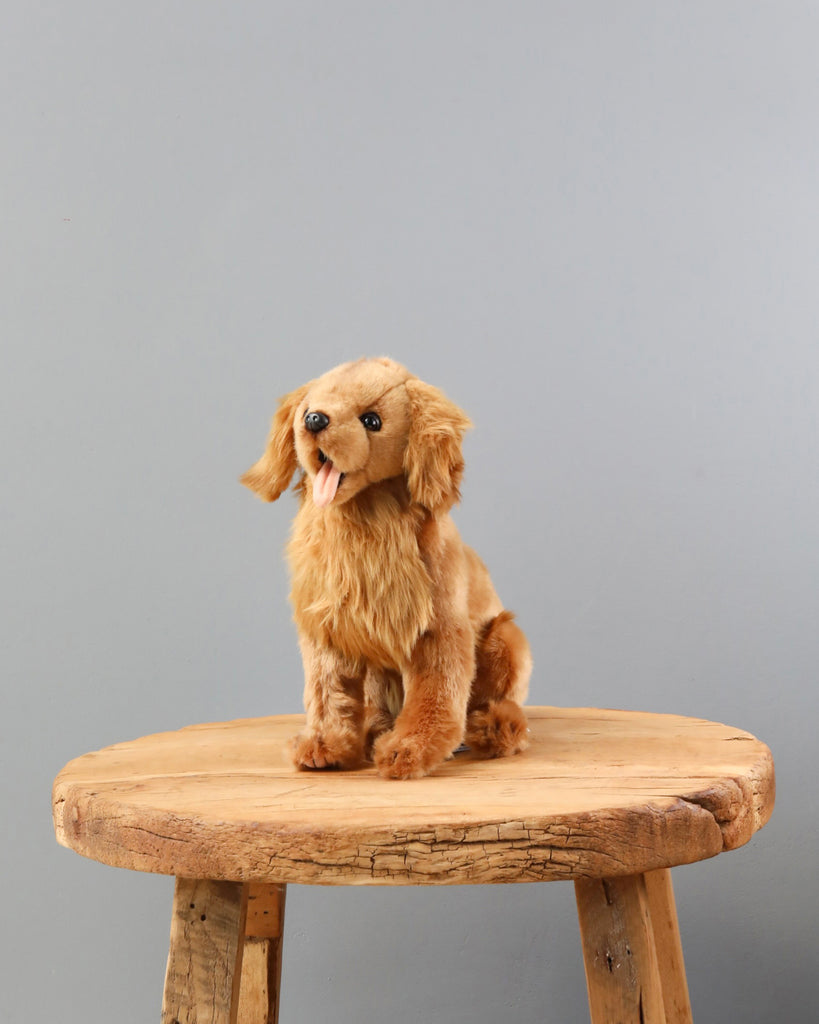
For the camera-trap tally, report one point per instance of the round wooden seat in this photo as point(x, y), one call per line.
point(598, 793)
point(600, 797)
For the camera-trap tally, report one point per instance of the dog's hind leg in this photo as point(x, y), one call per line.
point(495, 723)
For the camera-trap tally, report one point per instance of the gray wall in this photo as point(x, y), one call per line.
point(595, 226)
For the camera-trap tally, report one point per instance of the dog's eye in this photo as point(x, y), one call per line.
point(371, 420)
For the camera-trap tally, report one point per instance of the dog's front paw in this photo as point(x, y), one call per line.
point(404, 757)
point(325, 750)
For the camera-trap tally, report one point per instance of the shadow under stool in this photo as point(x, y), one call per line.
point(609, 800)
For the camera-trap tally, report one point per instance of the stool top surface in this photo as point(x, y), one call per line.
point(598, 793)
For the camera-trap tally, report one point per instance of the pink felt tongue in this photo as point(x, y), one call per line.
point(325, 484)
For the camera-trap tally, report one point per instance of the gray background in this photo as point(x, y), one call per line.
point(595, 226)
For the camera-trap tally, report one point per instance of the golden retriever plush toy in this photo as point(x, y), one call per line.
point(407, 648)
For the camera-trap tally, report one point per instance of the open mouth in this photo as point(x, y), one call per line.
point(323, 458)
point(326, 482)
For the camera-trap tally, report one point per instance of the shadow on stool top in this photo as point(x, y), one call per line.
point(598, 794)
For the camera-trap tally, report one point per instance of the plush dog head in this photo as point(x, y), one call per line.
point(359, 424)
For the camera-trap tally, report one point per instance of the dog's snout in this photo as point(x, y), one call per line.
point(316, 422)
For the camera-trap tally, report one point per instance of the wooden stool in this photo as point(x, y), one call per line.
point(608, 799)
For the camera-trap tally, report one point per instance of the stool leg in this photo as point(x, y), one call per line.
point(262, 960)
point(622, 970)
point(669, 948)
point(205, 958)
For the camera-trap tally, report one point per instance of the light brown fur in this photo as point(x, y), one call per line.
point(406, 646)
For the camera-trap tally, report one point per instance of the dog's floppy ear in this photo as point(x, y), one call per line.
point(433, 460)
point(272, 473)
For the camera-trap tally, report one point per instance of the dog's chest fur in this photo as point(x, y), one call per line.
point(359, 583)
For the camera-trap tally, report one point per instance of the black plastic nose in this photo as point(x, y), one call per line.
point(316, 422)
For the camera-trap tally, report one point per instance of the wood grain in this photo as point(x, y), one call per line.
point(205, 958)
point(259, 995)
point(664, 925)
point(619, 953)
point(597, 794)
point(631, 950)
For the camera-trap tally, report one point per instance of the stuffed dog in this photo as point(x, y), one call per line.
point(407, 649)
